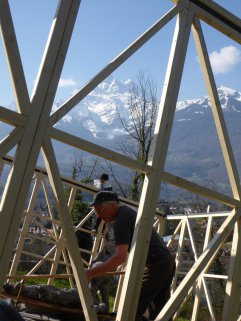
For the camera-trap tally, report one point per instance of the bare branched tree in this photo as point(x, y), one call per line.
point(84, 169)
point(142, 105)
point(118, 186)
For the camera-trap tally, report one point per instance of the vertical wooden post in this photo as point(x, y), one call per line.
point(151, 186)
point(232, 295)
point(27, 219)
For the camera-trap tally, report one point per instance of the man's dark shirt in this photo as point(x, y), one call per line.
point(124, 226)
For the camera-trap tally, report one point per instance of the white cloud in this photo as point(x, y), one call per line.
point(67, 82)
point(224, 61)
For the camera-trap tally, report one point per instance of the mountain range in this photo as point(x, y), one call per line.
point(194, 151)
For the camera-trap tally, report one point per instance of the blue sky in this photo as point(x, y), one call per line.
point(102, 31)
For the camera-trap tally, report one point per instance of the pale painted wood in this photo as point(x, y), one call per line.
point(151, 186)
point(217, 17)
point(68, 232)
point(201, 190)
point(232, 293)
point(12, 118)
point(119, 288)
point(50, 209)
point(120, 159)
point(42, 260)
point(193, 246)
point(161, 227)
point(215, 276)
point(24, 179)
point(60, 249)
point(199, 215)
point(203, 281)
point(43, 95)
point(37, 256)
point(85, 219)
point(98, 150)
point(14, 59)
point(177, 229)
point(10, 141)
point(199, 287)
point(52, 250)
point(203, 262)
point(179, 252)
point(112, 66)
point(97, 242)
point(225, 22)
point(217, 110)
point(27, 219)
point(42, 276)
point(44, 238)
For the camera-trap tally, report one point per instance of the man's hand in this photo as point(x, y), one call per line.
point(111, 264)
point(89, 275)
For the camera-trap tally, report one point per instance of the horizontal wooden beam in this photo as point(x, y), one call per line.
point(99, 151)
point(112, 66)
point(198, 189)
point(12, 117)
point(217, 17)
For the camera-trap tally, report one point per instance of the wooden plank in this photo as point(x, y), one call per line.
point(217, 17)
point(12, 118)
point(151, 186)
point(14, 59)
point(80, 185)
point(99, 151)
point(10, 141)
point(199, 288)
point(198, 215)
point(179, 252)
point(68, 232)
point(40, 276)
point(16, 189)
point(26, 223)
point(201, 279)
point(201, 190)
point(60, 244)
point(203, 262)
point(232, 293)
point(112, 66)
point(217, 110)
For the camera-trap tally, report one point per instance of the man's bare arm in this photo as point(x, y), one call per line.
point(120, 256)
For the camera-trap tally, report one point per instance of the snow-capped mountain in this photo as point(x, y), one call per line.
point(97, 116)
point(194, 150)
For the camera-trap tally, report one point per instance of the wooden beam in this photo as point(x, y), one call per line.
point(112, 66)
point(217, 110)
point(11, 117)
point(198, 189)
point(217, 17)
point(232, 292)
point(203, 262)
point(10, 141)
point(27, 219)
point(14, 59)
point(151, 186)
point(16, 189)
point(99, 151)
point(69, 236)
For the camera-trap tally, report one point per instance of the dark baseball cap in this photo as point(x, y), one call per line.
point(104, 196)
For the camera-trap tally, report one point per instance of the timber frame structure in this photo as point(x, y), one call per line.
point(33, 133)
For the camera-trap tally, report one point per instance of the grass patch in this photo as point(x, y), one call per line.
point(58, 283)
